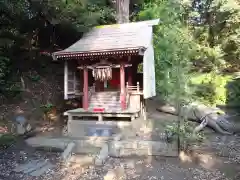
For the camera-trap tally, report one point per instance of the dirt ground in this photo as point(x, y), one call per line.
point(137, 168)
point(222, 163)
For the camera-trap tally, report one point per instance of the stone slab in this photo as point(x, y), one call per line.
point(110, 175)
point(22, 167)
point(102, 156)
point(81, 111)
point(42, 170)
point(86, 145)
point(36, 166)
point(77, 128)
point(82, 159)
point(66, 154)
point(94, 144)
point(59, 143)
point(115, 174)
point(118, 137)
point(141, 147)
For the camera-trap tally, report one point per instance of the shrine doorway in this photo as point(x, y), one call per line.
point(109, 85)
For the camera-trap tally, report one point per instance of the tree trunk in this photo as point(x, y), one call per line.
point(204, 115)
point(211, 38)
point(122, 8)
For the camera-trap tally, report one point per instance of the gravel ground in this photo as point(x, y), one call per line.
point(134, 168)
point(152, 168)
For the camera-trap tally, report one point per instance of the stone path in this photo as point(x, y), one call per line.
point(21, 162)
point(35, 167)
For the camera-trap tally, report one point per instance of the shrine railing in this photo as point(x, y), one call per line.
point(133, 89)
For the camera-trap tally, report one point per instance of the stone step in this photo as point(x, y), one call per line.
point(114, 103)
point(104, 98)
point(118, 104)
point(34, 167)
point(103, 93)
point(94, 95)
point(82, 159)
point(106, 94)
point(90, 146)
point(112, 97)
point(105, 102)
point(108, 108)
point(116, 148)
point(105, 105)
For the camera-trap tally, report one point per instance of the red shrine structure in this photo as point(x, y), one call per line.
point(102, 70)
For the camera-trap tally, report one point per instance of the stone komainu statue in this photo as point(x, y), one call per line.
point(20, 124)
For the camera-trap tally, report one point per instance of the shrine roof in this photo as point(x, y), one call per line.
point(111, 39)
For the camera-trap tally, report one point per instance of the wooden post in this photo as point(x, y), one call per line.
point(122, 86)
point(85, 88)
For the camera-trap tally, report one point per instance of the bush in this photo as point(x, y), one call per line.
point(206, 93)
point(7, 140)
point(233, 92)
point(3, 69)
point(210, 88)
point(186, 134)
point(47, 107)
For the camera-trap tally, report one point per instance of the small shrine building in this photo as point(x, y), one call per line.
point(101, 69)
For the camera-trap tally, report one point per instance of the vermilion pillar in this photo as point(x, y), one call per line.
point(85, 88)
point(122, 86)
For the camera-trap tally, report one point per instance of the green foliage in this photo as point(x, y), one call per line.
point(186, 134)
point(7, 140)
point(81, 14)
point(210, 88)
point(207, 59)
point(12, 90)
point(216, 28)
point(216, 89)
point(173, 49)
point(3, 68)
point(27, 27)
point(35, 77)
point(233, 92)
point(199, 36)
point(47, 107)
